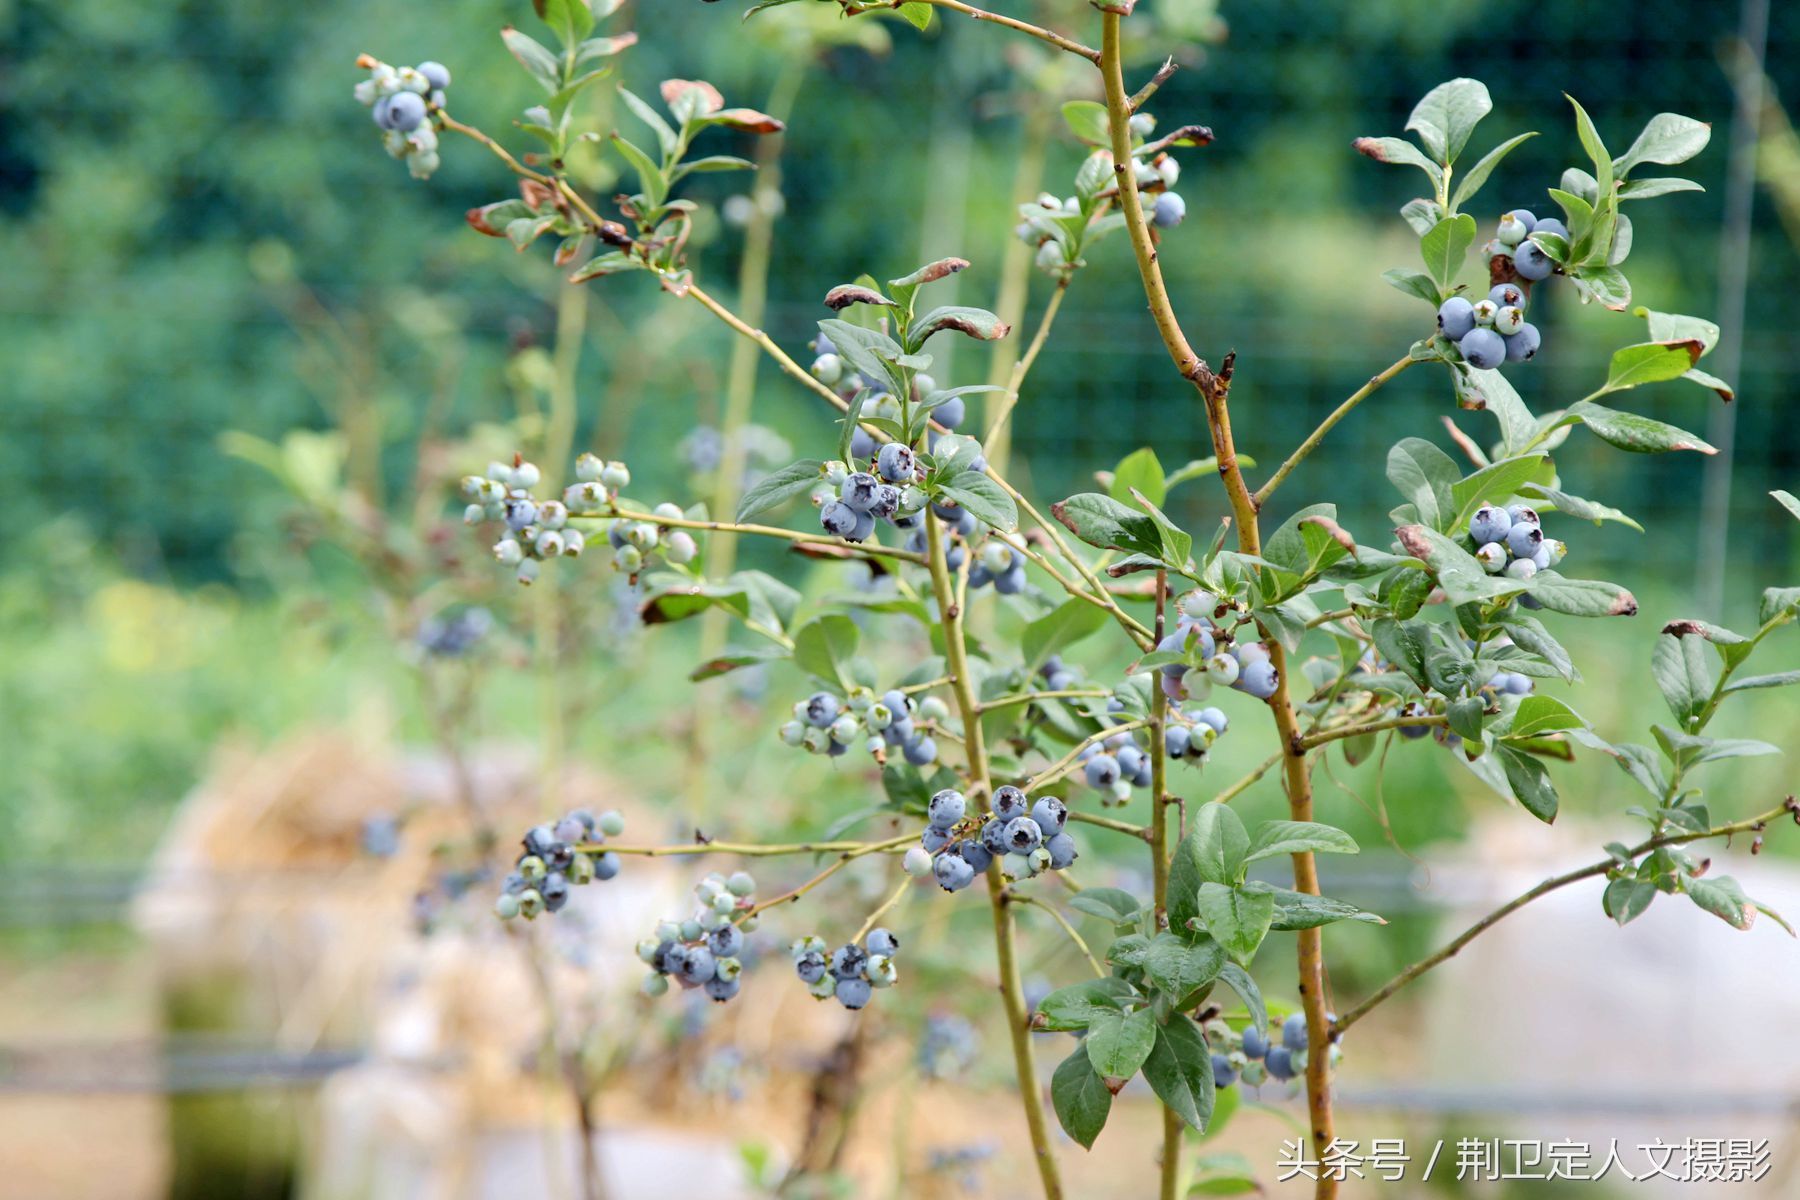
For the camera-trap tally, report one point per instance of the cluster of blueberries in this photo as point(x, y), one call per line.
point(1510, 541)
point(956, 845)
point(1156, 174)
point(851, 502)
point(1208, 661)
point(704, 950)
point(850, 973)
point(538, 530)
point(824, 724)
point(1254, 1058)
point(1490, 331)
point(1115, 766)
point(396, 98)
point(452, 635)
point(555, 857)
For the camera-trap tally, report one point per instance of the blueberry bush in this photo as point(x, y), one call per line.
point(995, 755)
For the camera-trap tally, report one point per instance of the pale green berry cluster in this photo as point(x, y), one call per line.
point(705, 951)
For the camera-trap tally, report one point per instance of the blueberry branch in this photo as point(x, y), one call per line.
point(1314, 740)
point(1318, 435)
point(1125, 827)
point(1013, 23)
point(1033, 697)
point(854, 549)
point(1012, 989)
point(1170, 1172)
point(1067, 762)
point(899, 893)
point(843, 860)
point(1013, 897)
point(749, 849)
point(1243, 785)
point(1214, 389)
point(1788, 807)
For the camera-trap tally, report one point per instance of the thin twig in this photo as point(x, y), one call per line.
point(1318, 435)
point(1080, 942)
point(1013, 23)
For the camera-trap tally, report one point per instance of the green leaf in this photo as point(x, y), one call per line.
point(1724, 898)
point(1179, 1070)
point(1239, 981)
point(1139, 470)
point(824, 646)
point(1426, 476)
point(1626, 899)
point(571, 19)
point(1582, 597)
point(1446, 246)
point(1414, 283)
point(1237, 917)
point(1080, 1097)
point(1178, 967)
point(1675, 327)
point(1645, 189)
point(686, 600)
point(1679, 667)
point(542, 65)
point(795, 479)
point(1275, 838)
point(731, 660)
point(1076, 1006)
point(1303, 910)
point(1104, 522)
point(1539, 714)
point(1107, 903)
point(1596, 150)
point(1752, 682)
point(1478, 174)
point(1606, 284)
point(863, 349)
point(1530, 782)
point(651, 181)
point(665, 136)
point(1651, 362)
point(1118, 1043)
point(1669, 138)
point(1459, 573)
point(1574, 506)
point(1629, 431)
point(1220, 846)
point(1448, 114)
point(1061, 627)
point(918, 12)
point(1787, 501)
point(1087, 121)
point(1496, 483)
point(985, 498)
point(978, 323)
point(1398, 150)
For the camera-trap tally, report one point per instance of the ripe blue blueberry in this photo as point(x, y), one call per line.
point(862, 444)
point(853, 993)
point(1524, 539)
point(1552, 225)
point(1507, 295)
point(1011, 582)
point(1456, 316)
point(696, 966)
point(1023, 835)
point(953, 873)
point(1050, 815)
point(1170, 209)
point(1280, 1063)
point(722, 990)
point(1176, 740)
point(993, 836)
point(1102, 771)
point(1530, 261)
point(950, 413)
point(1259, 679)
point(865, 526)
point(975, 853)
point(725, 942)
point(1255, 1044)
point(920, 753)
point(895, 463)
point(838, 519)
point(1489, 524)
point(1483, 349)
point(933, 839)
point(436, 74)
point(1522, 345)
point(848, 960)
point(883, 942)
point(946, 808)
point(810, 966)
point(1224, 1074)
point(1062, 850)
point(1293, 1031)
point(860, 491)
point(1010, 802)
point(404, 113)
point(1214, 717)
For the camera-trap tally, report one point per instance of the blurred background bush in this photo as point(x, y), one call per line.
point(202, 236)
